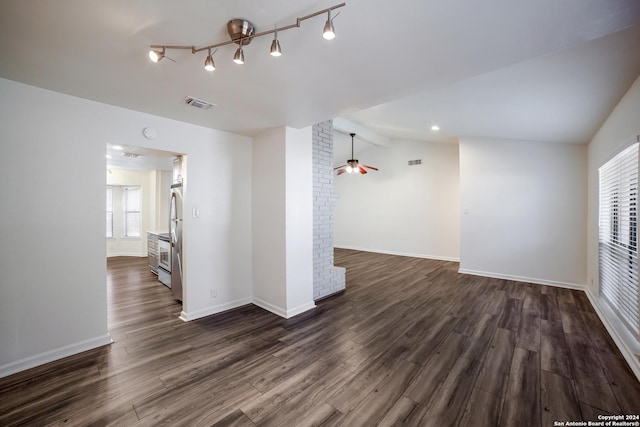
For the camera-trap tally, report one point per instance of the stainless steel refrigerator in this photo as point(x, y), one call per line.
point(175, 226)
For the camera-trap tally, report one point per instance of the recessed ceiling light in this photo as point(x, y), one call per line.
point(108, 156)
point(435, 127)
point(117, 147)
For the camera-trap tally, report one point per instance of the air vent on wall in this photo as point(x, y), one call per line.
point(198, 103)
point(415, 162)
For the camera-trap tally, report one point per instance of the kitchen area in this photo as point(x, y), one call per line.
point(144, 210)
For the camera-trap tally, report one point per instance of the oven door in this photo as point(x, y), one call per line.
point(164, 277)
point(164, 255)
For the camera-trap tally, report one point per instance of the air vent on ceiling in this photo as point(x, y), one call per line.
point(198, 103)
point(415, 162)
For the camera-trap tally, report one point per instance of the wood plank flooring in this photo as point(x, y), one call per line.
point(410, 343)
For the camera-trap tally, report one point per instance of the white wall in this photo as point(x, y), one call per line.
point(401, 209)
point(283, 221)
point(617, 132)
point(269, 221)
point(523, 210)
point(53, 299)
point(299, 220)
point(163, 181)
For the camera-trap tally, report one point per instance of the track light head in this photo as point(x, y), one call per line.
point(209, 65)
point(156, 55)
point(275, 45)
point(329, 33)
point(238, 58)
point(275, 48)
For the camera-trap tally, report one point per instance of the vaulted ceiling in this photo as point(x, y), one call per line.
point(542, 70)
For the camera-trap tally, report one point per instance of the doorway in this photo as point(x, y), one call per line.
point(138, 194)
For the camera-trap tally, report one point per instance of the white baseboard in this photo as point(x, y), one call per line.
point(618, 332)
point(412, 255)
point(282, 312)
point(215, 309)
point(53, 355)
point(189, 316)
point(269, 307)
point(524, 279)
point(301, 309)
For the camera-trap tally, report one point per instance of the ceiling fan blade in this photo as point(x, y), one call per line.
point(341, 171)
point(370, 167)
point(361, 169)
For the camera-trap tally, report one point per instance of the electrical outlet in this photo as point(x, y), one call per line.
point(214, 293)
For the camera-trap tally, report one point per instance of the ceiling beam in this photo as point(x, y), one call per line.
point(346, 126)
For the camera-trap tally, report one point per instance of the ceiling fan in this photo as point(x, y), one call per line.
point(352, 165)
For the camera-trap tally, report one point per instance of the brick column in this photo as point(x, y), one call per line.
point(327, 279)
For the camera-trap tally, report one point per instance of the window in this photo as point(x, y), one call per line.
point(131, 209)
point(109, 211)
point(618, 238)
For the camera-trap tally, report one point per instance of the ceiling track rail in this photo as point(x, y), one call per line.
point(194, 49)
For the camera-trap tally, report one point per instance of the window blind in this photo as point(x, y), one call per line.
point(131, 205)
point(109, 211)
point(617, 240)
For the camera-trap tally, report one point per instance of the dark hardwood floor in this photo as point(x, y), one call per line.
point(411, 342)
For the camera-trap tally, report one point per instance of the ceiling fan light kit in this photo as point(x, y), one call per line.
point(353, 166)
point(242, 32)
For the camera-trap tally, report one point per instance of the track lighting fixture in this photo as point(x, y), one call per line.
point(209, 65)
point(275, 46)
point(242, 32)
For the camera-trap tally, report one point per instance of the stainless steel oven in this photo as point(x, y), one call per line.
point(164, 259)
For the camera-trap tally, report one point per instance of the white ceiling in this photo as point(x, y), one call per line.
point(559, 97)
point(545, 70)
point(134, 157)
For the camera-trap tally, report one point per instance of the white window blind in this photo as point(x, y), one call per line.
point(131, 208)
point(109, 211)
point(618, 238)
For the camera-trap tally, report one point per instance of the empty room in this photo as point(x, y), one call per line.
point(410, 213)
